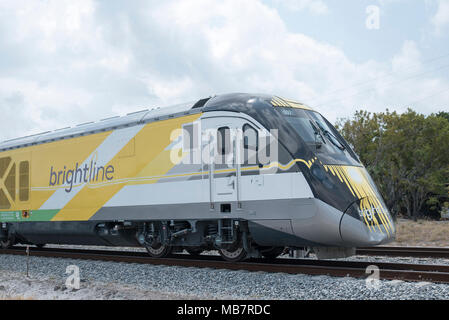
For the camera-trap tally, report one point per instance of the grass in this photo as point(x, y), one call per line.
point(422, 233)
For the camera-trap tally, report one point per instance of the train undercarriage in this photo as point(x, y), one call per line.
point(231, 237)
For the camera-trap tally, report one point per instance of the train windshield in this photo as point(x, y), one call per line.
point(320, 136)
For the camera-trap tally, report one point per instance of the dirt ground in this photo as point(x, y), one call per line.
point(421, 233)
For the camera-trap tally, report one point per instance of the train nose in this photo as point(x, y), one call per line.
point(358, 232)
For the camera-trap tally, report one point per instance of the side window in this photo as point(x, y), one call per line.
point(223, 141)
point(24, 181)
point(251, 144)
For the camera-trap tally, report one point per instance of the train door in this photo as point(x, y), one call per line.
point(220, 144)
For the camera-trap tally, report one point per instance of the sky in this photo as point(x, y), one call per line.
point(65, 62)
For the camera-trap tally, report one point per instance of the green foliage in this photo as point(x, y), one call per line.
point(406, 154)
point(444, 115)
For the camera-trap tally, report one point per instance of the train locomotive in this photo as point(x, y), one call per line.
point(245, 174)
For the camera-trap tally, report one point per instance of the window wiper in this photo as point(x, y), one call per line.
point(331, 137)
point(317, 132)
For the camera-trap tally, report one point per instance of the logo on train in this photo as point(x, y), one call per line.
point(370, 213)
point(80, 175)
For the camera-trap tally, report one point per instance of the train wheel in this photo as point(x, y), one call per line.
point(272, 252)
point(194, 251)
point(159, 250)
point(5, 244)
point(234, 255)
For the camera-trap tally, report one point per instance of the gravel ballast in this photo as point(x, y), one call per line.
point(111, 280)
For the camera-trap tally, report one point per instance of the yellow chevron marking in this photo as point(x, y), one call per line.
point(55, 154)
point(336, 169)
point(345, 178)
point(278, 102)
point(281, 102)
point(275, 103)
point(148, 159)
point(357, 181)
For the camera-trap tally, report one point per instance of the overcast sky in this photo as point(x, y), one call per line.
point(68, 62)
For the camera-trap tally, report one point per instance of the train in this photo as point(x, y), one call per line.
point(246, 174)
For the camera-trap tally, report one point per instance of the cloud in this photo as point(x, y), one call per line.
point(415, 83)
point(314, 6)
point(408, 56)
point(441, 18)
point(65, 62)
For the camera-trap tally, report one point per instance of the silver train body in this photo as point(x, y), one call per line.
point(256, 174)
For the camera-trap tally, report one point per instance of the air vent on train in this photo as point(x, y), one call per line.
point(201, 103)
point(24, 181)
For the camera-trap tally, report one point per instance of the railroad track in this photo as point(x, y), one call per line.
point(357, 269)
point(419, 252)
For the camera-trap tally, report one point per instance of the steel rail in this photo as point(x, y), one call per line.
point(419, 252)
point(356, 269)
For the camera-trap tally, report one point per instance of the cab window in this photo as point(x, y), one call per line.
point(250, 144)
point(224, 141)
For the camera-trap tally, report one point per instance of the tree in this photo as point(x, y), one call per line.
point(406, 154)
point(443, 114)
